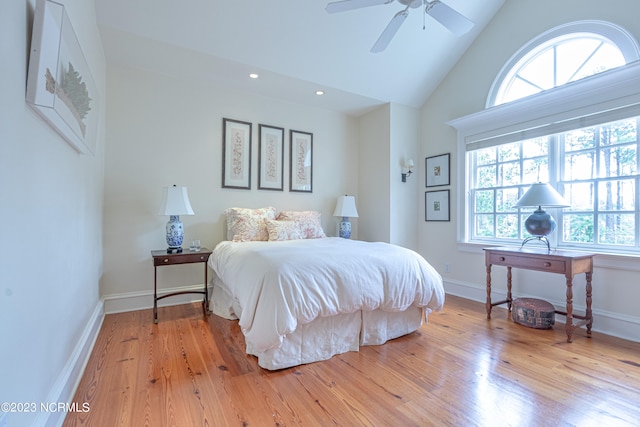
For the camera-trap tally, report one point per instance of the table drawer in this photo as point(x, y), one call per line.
point(181, 259)
point(528, 262)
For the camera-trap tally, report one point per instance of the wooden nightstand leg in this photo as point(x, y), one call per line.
point(589, 314)
point(569, 325)
point(488, 304)
point(509, 297)
point(205, 303)
point(155, 294)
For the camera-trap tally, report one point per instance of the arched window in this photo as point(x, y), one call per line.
point(565, 109)
point(562, 55)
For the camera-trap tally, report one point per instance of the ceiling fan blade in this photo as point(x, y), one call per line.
point(449, 18)
point(390, 31)
point(343, 6)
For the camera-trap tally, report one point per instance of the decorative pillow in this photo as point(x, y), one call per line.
point(309, 222)
point(283, 230)
point(245, 225)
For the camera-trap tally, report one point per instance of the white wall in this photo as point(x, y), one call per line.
point(463, 92)
point(405, 127)
point(374, 201)
point(51, 216)
point(164, 131)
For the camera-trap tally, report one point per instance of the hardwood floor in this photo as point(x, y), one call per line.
point(458, 370)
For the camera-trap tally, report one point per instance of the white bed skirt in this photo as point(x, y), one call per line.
point(326, 336)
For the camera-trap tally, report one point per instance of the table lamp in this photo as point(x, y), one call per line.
point(345, 208)
point(175, 203)
point(540, 224)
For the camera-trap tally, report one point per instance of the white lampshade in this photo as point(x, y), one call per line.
point(542, 194)
point(346, 207)
point(176, 202)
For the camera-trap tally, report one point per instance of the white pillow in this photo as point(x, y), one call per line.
point(283, 230)
point(245, 225)
point(309, 222)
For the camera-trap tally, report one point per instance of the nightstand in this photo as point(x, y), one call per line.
point(161, 257)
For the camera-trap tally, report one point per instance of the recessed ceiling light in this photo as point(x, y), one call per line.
point(319, 92)
point(253, 75)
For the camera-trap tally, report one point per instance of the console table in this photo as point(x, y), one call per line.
point(161, 257)
point(555, 261)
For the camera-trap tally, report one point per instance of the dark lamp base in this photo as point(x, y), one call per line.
point(540, 238)
point(174, 250)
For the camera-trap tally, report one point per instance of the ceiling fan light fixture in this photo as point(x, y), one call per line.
point(448, 17)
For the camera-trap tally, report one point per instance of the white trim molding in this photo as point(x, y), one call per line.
point(609, 323)
point(67, 382)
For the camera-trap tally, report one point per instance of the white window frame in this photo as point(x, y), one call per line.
point(602, 98)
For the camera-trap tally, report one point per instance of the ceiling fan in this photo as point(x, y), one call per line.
point(448, 17)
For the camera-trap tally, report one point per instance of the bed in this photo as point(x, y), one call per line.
point(302, 297)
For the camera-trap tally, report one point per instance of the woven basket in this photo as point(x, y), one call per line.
point(533, 313)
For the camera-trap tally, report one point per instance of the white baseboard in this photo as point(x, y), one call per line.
point(606, 322)
point(132, 301)
point(67, 382)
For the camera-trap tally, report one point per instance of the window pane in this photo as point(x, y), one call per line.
point(484, 226)
point(579, 166)
point(616, 229)
point(579, 139)
point(509, 173)
point(578, 228)
point(486, 156)
point(535, 170)
point(618, 161)
point(507, 226)
point(505, 199)
point(607, 54)
point(509, 152)
point(535, 147)
point(540, 70)
point(580, 196)
point(621, 132)
point(571, 57)
point(484, 201)
point(616, 195)
point(486, 176)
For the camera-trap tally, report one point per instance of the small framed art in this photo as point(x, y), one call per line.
point(301, 161)
point(270, 158)
point(437, 170)
point(436, 205)
point(236, 154)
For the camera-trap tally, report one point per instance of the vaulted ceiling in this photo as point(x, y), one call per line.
point(295, 46)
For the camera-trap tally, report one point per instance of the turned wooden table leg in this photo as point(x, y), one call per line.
point(509, 298)
point(589, 314)
point(569, 324)
point(488, 304)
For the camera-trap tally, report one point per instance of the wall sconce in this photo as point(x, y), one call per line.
point(407, 170)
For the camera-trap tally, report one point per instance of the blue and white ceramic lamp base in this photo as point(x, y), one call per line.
point(344, 228)
point(175, 234)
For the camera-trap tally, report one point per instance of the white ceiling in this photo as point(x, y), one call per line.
point(295, 46)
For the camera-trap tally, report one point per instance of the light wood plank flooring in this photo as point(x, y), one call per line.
point(460, 369)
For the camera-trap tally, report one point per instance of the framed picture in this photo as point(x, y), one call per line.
point(270, 158)
point(59, 85)
point(300, 161)
point(437, 170)
point(236, 154)
point(436, 205)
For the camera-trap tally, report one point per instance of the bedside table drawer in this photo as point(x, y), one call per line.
point(183, 258)
point(531, 263)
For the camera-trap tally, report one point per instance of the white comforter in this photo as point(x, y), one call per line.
point(278, 285)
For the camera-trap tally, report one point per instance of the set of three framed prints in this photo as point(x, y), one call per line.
point(236, 157)
point(438, 174)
